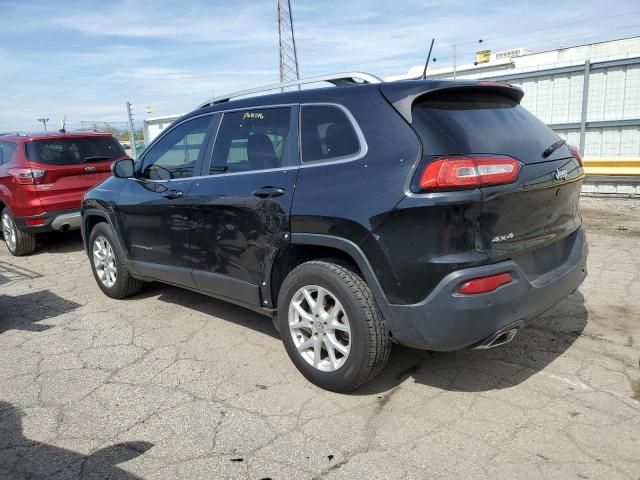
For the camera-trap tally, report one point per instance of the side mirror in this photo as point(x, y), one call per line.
point(123, 168)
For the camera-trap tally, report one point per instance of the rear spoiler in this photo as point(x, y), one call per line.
point(403, 94)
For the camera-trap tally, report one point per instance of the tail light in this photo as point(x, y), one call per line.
point(485, 284)
point(576, 154)
point(27, 176)
point(469, 172)
point(36, 222)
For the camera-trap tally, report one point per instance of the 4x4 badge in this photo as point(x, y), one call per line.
point(502, 238)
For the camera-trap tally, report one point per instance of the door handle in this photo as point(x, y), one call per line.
point(172, 194)
point(266, 192)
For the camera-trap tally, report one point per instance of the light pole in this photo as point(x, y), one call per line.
point(44, 122)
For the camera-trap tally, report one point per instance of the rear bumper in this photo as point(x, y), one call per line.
point(448, 321)
point(58, 220)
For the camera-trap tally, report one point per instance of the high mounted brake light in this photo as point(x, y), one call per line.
point(459, 172)
point(27, 176)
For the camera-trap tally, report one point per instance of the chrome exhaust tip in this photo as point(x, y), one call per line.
point(499, 338)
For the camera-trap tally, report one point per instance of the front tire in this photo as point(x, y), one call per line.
point(108, 265)
point(331, 327)
point(18, 243)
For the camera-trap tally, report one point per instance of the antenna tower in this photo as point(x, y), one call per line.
point(287, 42)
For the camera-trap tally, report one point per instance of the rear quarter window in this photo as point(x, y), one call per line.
point(74, 151)
point(7, 149)
point(327, 134)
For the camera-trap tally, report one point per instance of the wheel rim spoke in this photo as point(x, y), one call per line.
point(104, 262)
point(9, 231)
point(337, 345)
point(319, 328)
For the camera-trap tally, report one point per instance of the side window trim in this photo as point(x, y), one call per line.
point(292, 142)
point(198, 168)
point(364, 148)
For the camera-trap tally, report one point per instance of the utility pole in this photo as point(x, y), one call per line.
point(455, 61)
point(44, 122)
point(131, 136)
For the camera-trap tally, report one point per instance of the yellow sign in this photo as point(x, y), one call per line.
point(483, 56)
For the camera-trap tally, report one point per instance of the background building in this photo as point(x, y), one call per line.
point(589, 94)
point(153, 126)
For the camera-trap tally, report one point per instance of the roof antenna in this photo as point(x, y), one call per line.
point(426, 64)
point(63, 122)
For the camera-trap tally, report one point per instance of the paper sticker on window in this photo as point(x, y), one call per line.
point(257, 115)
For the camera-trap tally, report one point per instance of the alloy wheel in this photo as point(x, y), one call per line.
point(9, 231)
point(319, 327)
point(104, 261)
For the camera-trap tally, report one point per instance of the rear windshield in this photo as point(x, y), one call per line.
point(74, 151)
point(455, 122)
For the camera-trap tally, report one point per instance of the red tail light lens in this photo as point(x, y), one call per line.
point(469, 172)
point(27, 176)
point(485, 284)
point(35, 222)
point(576, 154)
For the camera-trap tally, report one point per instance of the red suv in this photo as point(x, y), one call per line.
point(43, 178)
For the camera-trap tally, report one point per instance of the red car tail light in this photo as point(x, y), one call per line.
point(27, 176)
point(469, 172)
point(576, 154)
point(34, 222)
point(485, 284)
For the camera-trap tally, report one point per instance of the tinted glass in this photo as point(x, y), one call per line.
point(327, 134)
point(6, 152)
point(252, 140)
point(74, 151)
point(176, 154)
point(476, 122)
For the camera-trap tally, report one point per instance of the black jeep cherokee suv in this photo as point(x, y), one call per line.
point(436, 214)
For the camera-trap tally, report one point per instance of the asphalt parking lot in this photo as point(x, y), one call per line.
point(172, 384)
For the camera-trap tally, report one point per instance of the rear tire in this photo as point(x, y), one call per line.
point(18, 243)
point(335, 351)
point(108, 265)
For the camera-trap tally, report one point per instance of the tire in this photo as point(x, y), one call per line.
point(111, 274)
point(18, 243)
point(367, 341)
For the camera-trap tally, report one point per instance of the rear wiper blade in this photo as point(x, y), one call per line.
point(96, 157)
point(552, 148)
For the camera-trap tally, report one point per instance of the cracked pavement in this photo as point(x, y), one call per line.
point(172, 384)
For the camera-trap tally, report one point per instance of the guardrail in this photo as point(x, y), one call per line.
point(612, 177)
point(612, 166)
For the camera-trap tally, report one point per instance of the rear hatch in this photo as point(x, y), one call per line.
point(71, 165)
point(536, 214)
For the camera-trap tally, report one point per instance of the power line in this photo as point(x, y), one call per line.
point(560, 25)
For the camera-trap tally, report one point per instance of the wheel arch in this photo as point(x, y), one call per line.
point(91, 218)
point(310, 246)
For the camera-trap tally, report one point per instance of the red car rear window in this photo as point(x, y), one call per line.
point(74, 151)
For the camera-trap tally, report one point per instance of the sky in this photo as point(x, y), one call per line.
point(84, 60)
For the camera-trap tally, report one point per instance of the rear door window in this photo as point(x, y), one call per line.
point(74, 151)
point(327, 134)
point(464, 122)
point(251, 140)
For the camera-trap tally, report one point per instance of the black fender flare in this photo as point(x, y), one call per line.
point(358, 256)
point(96, 212)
